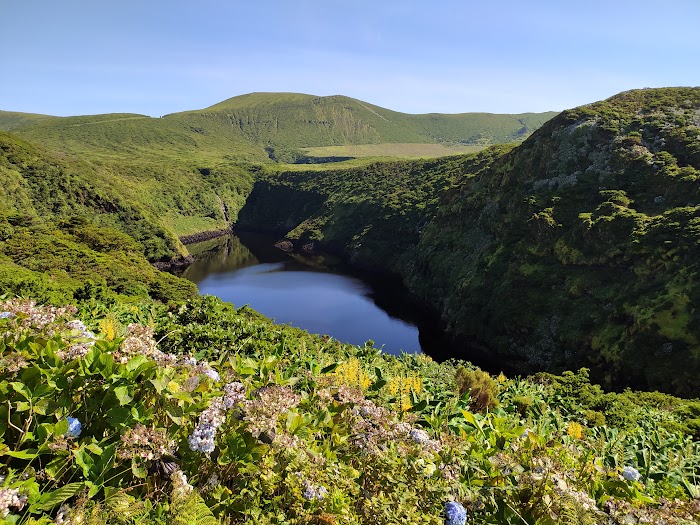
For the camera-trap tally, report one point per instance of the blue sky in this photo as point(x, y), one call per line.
point(155, 57)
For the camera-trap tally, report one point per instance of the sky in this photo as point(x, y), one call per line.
point(76, 57)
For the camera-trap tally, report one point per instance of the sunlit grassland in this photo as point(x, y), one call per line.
point(398, 150)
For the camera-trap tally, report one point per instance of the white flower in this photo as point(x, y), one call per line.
point(211, 373)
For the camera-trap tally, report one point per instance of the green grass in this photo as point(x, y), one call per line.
point(397, 150)
point(263, 126)
point(10, 120)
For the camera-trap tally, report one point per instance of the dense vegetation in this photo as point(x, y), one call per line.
point(262, 127)
point(576, 248)
point(148, 404)
point(230, 418)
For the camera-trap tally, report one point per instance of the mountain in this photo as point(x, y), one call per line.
point(262, 126)
point(578, 247)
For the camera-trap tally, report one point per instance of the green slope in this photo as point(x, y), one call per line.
point(578, 247)
point(262, 126)
point(10, 120)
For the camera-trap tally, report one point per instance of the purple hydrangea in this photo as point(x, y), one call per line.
point(456, 513)
point(75, 427)
point(630, 473)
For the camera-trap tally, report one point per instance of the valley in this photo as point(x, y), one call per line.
point(559, 248)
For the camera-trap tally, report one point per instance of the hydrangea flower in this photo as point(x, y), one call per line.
point(6, 315)
point(312, 492)
point(419, 436)
point(11, 498)
point(203, 439)
point(456, 513)
point(211, 373)
point(630, 473)
point(75, 428)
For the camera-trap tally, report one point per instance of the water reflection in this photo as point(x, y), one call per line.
point(307, 292)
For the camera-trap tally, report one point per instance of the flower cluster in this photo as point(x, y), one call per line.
point(562, 489)
point(139, 341)
point(28, 314)
point(314, 492)
point(630, 473)
point(204, 435)
point(422, 438)
point(181, 486)
point(146, 443)
point(82, 339)
point(268, 405)
point(374, 427)
point(12, 362)
point(75, 428)
point(11, 498)
point(456, 513)
point(64, 515)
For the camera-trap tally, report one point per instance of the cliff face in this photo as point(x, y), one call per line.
point(578, 247)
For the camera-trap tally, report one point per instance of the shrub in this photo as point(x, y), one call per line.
point(483, 390)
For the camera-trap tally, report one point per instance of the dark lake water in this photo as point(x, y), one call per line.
point(308, 292)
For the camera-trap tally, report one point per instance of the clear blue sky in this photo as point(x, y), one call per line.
point(68, 57)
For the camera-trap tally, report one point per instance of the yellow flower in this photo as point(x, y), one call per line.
point(107, 327)
point(575, 430)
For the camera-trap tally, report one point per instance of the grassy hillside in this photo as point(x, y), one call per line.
point(373, 214)
point(577, 247)
point(146, 404)
point(68, 224)
point(261, 127)
point(10, 120)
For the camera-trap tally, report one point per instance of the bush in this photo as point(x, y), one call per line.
point(483, 390)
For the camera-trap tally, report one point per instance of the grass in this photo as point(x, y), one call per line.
point(397, 150)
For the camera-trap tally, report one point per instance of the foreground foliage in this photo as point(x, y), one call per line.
point(205, 413)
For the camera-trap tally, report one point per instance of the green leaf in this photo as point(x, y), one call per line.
point(138, 469)
point(49, 500)
point(470, 418)
point(123, 395)
point(85, 461)
point(380, 383)
point(61, 427)
point(21, 389)
point(29, 453)
point(330, 368)
point(118, 416)
point(419, 406)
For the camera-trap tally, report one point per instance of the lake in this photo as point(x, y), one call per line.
point(309, 292)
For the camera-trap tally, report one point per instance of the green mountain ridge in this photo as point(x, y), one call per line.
point(576, 248)
point(262, 126)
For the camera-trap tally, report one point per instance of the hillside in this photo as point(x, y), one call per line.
point(260, 127)
point(10, 120)
point(130, 399)
point(577, 247)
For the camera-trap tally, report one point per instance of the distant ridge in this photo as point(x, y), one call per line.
point(265, 126)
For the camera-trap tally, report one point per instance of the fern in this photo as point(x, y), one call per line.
point(191, 510)
point(572, 512)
